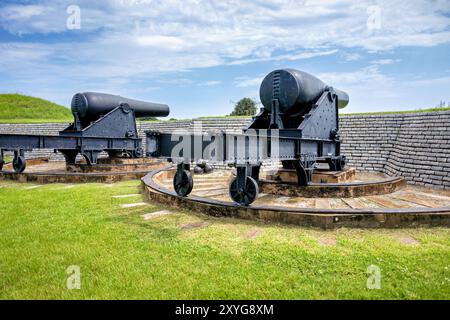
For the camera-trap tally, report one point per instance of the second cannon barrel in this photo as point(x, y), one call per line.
point(91, 105)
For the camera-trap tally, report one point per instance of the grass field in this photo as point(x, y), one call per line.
point(7, 159)
point(397, 112)
point(187, 255)
point(17, 108)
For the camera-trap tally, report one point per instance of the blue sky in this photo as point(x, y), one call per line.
point(201, 56)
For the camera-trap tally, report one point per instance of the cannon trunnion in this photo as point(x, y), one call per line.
point(102, 122)
point(299, 126)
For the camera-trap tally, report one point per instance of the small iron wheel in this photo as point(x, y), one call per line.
point(246, 195)
point(138, 153)
point(340, 163)
point(208, 169)
point(183, 183)
point(198, 170)
point(19, 164)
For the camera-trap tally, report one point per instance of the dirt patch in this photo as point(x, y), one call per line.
point(407, 240)
point(327, 241)
point(253, 234)
point(194, 225)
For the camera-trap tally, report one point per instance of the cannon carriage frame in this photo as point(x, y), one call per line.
point(111, 129)
point(316, 140)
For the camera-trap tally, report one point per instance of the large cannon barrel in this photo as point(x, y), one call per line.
point(294, 90)
point(91, 105)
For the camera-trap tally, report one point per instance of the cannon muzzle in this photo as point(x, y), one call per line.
point(92, 105)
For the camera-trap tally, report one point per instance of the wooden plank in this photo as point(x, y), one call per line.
point(211, 193)
point(433, 196)
point(126, 195)
point(387, 202)
point(337, 203)
point(414, 199)
point(133, 205)
point(153, 215)
point(322, 203)
point(306, 203)
point(217, 187)
point(361, 203)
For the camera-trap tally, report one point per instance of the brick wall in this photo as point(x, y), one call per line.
point(416, 146)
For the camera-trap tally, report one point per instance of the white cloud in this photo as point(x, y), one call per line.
point(22, 12)
point(245, 82)
point(287, 57)
point(430, 82)
point(371, 90)
point(177, 81)
point(140, 39)
point(352, 56)
point(140, 36)
point(163, 42)
point(385, 61)
point(367, 75)
point(209, 83)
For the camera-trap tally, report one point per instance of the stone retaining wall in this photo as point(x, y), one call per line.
point(416, 146)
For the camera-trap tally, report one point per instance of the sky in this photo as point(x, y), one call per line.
point(201, 56)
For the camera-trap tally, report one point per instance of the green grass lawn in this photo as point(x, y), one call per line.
point(45, 230)
point(397, 112)
point(17, 108)
point(7, 159)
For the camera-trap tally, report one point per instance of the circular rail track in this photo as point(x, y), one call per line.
point(108, 170)
point(404, 207)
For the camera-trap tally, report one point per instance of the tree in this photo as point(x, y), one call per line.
point(244, 107)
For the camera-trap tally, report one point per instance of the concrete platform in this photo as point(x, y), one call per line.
point(319, 176)
point(406, 207)
point(108, 170)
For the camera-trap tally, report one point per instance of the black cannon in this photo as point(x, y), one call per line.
point(90, 106)
point(299, 126)
point(102, 122)
point(287, 95)
point(302, 106)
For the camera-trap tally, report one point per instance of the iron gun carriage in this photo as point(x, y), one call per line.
point(102, 122)
point(298, 125)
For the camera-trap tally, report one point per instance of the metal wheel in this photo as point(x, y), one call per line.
point(138, 153)
point(183, 183)
point(19, 164)
point(340, 163)
point(198, 170)
point(246, 195)
point(208, 169)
